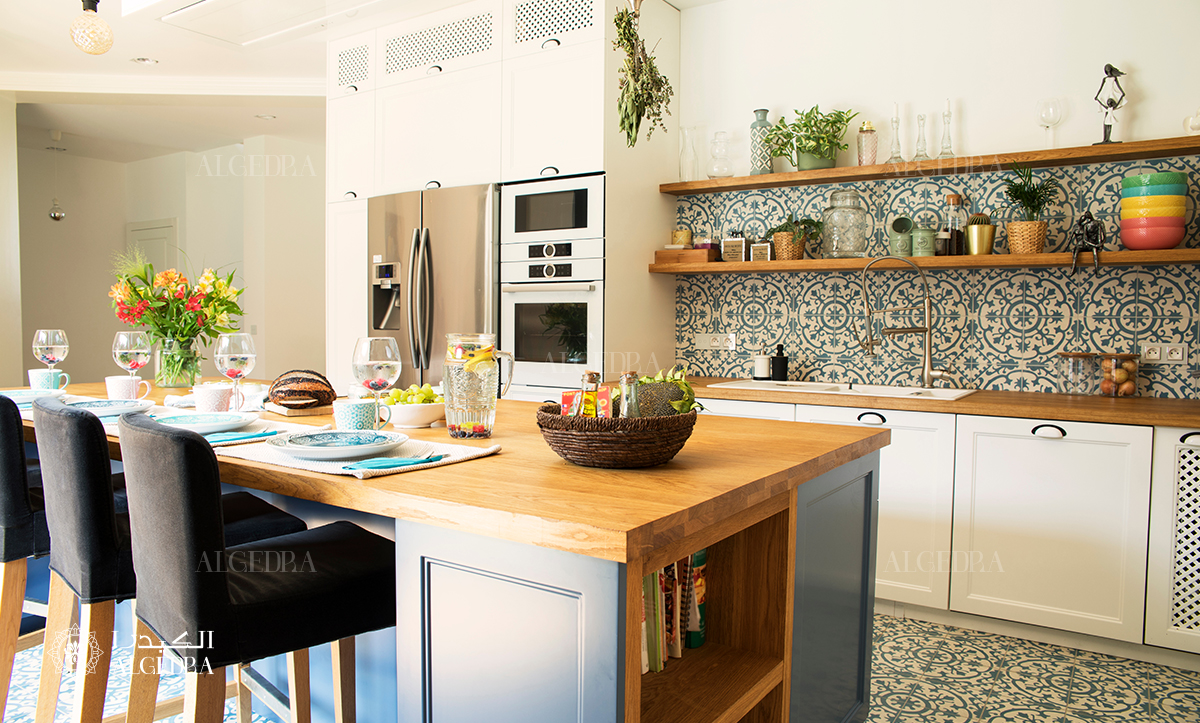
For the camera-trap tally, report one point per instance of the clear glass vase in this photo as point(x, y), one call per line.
point(176, 364)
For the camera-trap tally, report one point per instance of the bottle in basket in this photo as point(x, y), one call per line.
point(630, 409)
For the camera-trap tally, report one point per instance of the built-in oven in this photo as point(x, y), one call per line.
point(554, 211)
point(552, 320)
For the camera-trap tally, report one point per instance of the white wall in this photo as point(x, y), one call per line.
point(214, 210)
point(156, 189)
point(66, 266)
point(12, 340)
point(994, 61)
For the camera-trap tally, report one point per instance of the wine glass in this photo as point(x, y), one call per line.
point(50, 346)
point(1050, 114)
point(131, 350)
point(234, 358)
point(376, 365)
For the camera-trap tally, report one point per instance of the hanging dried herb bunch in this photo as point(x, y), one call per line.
point(643, 92)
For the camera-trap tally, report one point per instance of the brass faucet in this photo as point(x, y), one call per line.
point(928, 373)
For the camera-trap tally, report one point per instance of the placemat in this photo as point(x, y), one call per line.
point(411, 448)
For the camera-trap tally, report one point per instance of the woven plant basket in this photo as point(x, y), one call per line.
point(1026, 237)
point(787, 248)
point(614, 443)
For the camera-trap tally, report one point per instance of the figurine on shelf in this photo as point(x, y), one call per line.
point(1086, 234)
point(1191, 124)
point(1111, 97)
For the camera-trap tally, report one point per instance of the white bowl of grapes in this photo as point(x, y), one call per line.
point(414, 407)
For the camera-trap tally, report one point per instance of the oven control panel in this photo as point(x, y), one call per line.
point(592, 248)
point(551, 270)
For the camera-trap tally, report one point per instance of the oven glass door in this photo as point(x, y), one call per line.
point(553, 330)
point(557, 210)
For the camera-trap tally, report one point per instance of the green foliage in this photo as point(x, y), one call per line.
point(799, 228)
point(642, 92)
point(678, 377)
point(1029, 196)
point(813, 132)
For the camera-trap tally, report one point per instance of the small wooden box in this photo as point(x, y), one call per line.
point(289, 412)
point(685, 256)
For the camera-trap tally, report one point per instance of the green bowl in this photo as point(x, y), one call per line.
point(1162, 189)
point(1154, 179)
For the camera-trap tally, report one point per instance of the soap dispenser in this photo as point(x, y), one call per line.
point(779, 365)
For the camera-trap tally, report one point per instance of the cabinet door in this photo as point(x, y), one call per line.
point(350, 147)
point(460, 37)
point(916, 494)
point(350, 65)
point(346, 287)
point(1051, 530)
point(441, 130)
point(534, 25)
point(1173, 574)
point(553, 112)
point(753, 410)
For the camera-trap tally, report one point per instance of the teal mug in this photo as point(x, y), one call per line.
point(48, 379)
point(356, 414)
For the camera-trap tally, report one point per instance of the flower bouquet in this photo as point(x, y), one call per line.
point(174, 312)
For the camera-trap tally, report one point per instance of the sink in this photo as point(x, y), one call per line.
point(862, 390)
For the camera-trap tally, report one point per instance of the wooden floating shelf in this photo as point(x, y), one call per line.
point(993, 261)
point(710, 684)
point(1130, 151)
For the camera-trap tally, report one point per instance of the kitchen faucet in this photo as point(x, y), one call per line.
point(928, 373)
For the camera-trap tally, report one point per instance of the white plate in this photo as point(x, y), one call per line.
point(25, 396)
point(112, 407)
point(337, 445)
point(205, 423)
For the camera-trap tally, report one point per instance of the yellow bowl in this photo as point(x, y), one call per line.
point(1127, 213)
point(1163, 202)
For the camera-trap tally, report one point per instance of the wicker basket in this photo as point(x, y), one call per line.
point(787, 248)
point(1026, 237)
point(614, 443)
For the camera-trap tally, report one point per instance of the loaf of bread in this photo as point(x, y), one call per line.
point(301, 389)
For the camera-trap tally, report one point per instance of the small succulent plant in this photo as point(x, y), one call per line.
point(979, 219)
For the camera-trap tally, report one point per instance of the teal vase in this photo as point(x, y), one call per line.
point(760, 157)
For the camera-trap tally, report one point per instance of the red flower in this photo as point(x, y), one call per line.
point(193, 303)
point(181, 293)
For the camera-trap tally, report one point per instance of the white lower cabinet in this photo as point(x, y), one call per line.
point(1050, 523)
point(1173, 574)
point(752, 410)
point(916, 493)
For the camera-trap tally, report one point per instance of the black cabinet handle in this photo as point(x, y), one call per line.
point(433, 70)
point(1184, 438)
point(1061, 432)
point(549, 171)
point(351, 88)
point(433, 184)
point(551, 43)
point(882, 419)
point(349, 195)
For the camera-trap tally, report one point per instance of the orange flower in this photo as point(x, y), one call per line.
point(170, 279)
point(120, 291)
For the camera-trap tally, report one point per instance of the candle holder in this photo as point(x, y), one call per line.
point(896, 158)
point(946, 152)
point(921, 154)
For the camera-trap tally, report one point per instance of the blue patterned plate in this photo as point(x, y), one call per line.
point(25, 396)
point(112, 407)
point(337, 445)
point(208, 423)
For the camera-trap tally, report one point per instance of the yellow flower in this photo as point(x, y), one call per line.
point(120, 291)
point(170, 280)
point(225, 290)
point(206, 282)
point(222, 320)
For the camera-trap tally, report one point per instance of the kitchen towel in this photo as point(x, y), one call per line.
point(262, 452)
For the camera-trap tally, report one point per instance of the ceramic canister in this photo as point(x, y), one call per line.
point(922, 241)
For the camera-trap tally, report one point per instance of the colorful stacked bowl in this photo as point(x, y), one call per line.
point(1153, 206)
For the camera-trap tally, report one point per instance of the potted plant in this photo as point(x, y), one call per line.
point(812, 140)
point(791, 237)
point(1028, 235)
point(981, 234)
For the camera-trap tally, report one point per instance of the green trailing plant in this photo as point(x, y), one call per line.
point(813, 132)
point(805, 227)
point(979, 219)
point(642, 92)
point(1030, 196)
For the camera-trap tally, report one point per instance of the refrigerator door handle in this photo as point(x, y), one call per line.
point(426, 300)
point(413, 250)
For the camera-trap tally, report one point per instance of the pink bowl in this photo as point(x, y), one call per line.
point(1153, 222)
point(1144, 239)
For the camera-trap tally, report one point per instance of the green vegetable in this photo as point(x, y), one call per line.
point(666, 393)
point(642, 91)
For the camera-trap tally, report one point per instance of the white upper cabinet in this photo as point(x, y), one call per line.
point(534, 25)
point(443, 130)
point(553, 112)
point(350, 147)
point(1050, 523)
point(346, 288)
point(350, 65)
point(457, 38)
point(1173, 577)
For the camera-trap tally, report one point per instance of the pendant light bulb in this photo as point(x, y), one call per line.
point(56, 212)
point(89, 32)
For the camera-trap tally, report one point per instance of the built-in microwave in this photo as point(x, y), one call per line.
point(554, 210)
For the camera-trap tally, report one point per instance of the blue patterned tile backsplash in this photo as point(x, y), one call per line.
point(994, 328)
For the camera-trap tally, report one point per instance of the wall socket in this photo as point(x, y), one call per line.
point(726, 342)
point(1164, 353)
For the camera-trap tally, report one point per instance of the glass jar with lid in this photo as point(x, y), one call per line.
point(847, 226)
point(1077, 373)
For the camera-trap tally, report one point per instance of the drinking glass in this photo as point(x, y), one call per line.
point(50, 346)
point(1050, 114)
point(235, 357)
point(131, 350)
point(376, 365)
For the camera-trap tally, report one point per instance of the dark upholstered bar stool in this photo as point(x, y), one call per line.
point(91, 558)
point(340, 582)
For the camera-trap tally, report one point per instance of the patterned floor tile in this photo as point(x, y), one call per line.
point(1036, 681)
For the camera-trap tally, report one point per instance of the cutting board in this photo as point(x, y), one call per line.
point(289, 412)
point(685, 256)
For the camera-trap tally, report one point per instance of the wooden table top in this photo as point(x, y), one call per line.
point(528, 494)
point(1034, 405)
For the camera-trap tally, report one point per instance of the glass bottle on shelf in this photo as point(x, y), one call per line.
point(630, 409)
point(954, 225)
point(760, 156)
point(689, 162)
point(719, 166)
point(868, 144)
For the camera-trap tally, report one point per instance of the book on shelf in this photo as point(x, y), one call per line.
point(661, 620)
point(696, 600)
point(683, 571)
point(645, 650)
point(650, 592)
point(671, 612)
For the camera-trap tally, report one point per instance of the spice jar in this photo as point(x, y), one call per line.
point(1118, 375)
point(1077, 373)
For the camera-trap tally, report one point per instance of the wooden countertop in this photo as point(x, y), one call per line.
point(1035, 405)
point(731, 472)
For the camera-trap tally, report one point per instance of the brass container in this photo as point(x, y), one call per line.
point(980, 238)
point(682, 237)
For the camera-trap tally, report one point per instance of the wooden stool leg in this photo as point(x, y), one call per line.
point(69, 665)
point(204, 697)
point(91, 676)
point(344, 710)
point(12, 596)
point(244, 698)
point(298, 694)
point(143, 679)
point(61, 606)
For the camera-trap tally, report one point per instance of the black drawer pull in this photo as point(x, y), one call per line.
point(1061, 432)
point(1184, 438)
point(551, 43)
point(882, 419)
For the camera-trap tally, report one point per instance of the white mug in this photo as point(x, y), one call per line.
point(213, 397)
point(125, 387)
point(48, 379)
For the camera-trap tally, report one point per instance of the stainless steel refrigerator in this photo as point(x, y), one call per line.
point(433, 269)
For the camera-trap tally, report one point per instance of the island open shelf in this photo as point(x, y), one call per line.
point(711, 684)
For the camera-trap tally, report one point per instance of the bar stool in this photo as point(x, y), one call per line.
point(341, 581)
point(91, 561)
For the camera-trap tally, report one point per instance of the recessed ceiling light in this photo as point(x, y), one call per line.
point(265, 116)
point(144, 61)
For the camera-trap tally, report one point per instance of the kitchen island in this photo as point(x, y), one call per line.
point(519, 575)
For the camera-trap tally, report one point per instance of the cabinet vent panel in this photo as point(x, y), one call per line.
point(540, 19)
point(353, 65)
point(1185, 558)
point(438, 44)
